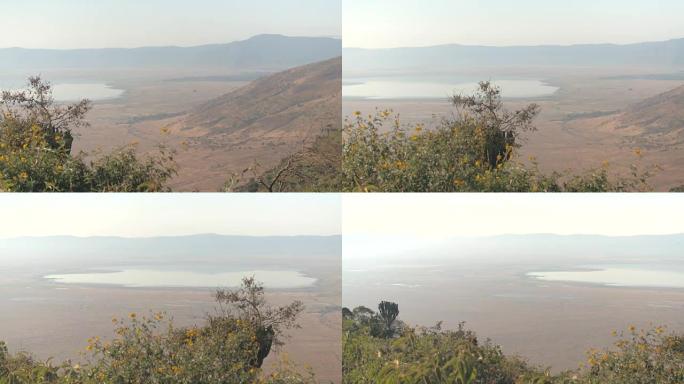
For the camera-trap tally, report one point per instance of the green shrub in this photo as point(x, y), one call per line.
point(422, 355)
point(36, 137)
point(227, 349)
point(639, 357)
point(473, 152)
point(122, 171)
point(432, 355)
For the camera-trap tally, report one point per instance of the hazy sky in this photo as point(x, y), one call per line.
point(135, 23)
point(396, 23)
point(133, 215)
point(441, 216)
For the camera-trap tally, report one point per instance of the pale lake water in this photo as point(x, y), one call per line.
point(617, 276)
point(94, 92)
point(155, 278)
point(415, 284)
point(389, 89)
point(69, 92)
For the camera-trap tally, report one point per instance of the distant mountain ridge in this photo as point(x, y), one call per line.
point(190, 249)
point(197, 236)
point(272, 52)
point(658, 54)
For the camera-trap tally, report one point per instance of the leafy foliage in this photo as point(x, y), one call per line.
point(36, 138)
point(498, 127)
point(432, 355)
point(35, 107)
point(388, 313)
point(249, 305)
point(422, 355)
point(639, 356)
point(473, 152)
point(229, 348)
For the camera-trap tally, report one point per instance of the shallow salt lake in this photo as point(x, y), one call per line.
point(70, 92)
point(617, 276)
point(408, 89)
point(94, 92)
point(150, 278)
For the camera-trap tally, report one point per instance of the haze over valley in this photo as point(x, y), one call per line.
point(530, 294)
point(59, 290)
point(229, 90)
point(591, 82)
point(518, 269)
point(167, 95)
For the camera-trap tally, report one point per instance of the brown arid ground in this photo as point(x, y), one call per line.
point(577, 126)
point(217, 128)
point(54, 321)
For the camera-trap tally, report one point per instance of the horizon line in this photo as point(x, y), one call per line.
point(578, 234)
point(483, 236)
point(158, 236)
point(444, 45)
point(332, 37)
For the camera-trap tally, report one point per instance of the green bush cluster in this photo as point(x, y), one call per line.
point(433, 355)
point(640, 356)
point(420, 355)
point(36, 138)
point(473, 152)
point(228, 349)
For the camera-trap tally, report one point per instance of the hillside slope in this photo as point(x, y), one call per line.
point(298, 101)
point(655, 122)
point(648, 134)
point(263, 122)
point(660, 114)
